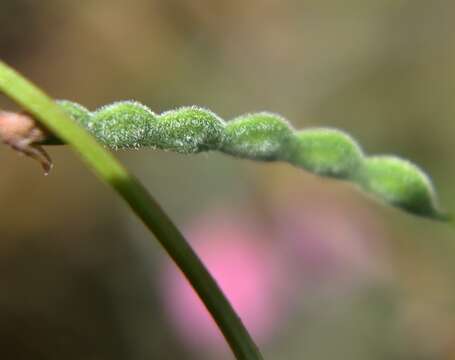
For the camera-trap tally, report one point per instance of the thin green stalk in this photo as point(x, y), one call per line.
point(108, 169)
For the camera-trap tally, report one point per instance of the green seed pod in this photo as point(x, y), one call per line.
point(262, 136)
point(402, 184)
point(123, 125)
point(77, 112)
point(189, 130)
point(327, 152)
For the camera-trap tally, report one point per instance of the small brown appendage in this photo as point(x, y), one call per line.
point(23, 134)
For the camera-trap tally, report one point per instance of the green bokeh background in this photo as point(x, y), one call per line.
point(78, 272)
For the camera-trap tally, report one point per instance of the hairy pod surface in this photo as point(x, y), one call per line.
point(265, 137)
point(401, 184)
point(328, 152)
point(189, 130)
point(262, 136)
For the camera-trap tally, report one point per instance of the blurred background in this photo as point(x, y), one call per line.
point(316, 269)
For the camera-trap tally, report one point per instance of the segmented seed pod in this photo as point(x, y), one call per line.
point(265, 137)
point(261, 136)
point(328, 152)
point(402, 184)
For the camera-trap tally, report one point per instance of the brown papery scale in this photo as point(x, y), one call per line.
point(23, 134)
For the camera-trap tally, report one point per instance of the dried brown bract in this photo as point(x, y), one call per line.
point(23, 134)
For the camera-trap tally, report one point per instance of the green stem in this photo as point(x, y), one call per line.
point(103, 163)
